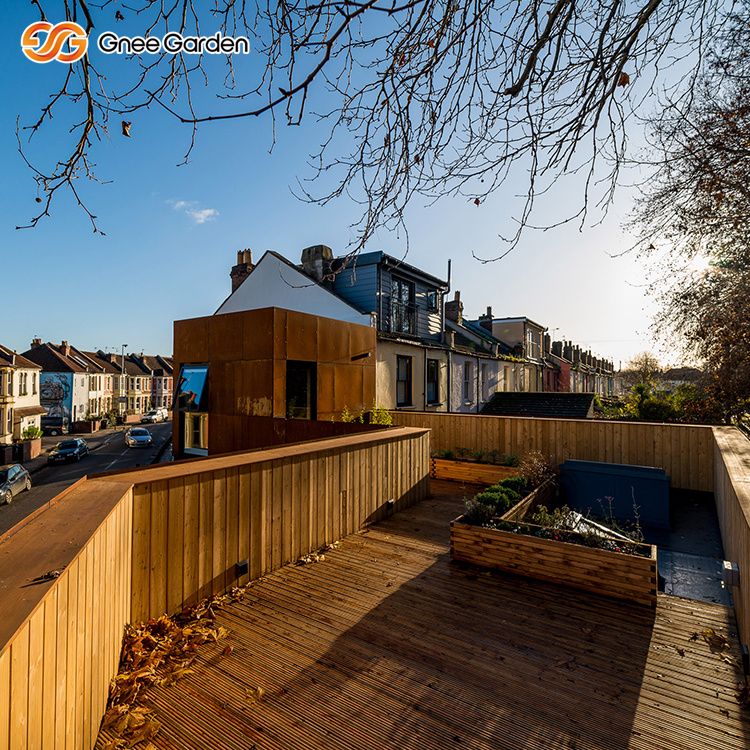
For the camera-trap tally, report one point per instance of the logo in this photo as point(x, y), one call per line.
point(46, 49)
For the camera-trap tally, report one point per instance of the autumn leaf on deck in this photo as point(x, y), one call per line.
point(714, 639)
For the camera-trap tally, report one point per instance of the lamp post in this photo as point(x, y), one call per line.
point(123, 399)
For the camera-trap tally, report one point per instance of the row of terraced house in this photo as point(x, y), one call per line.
point(430, 355)
point(58, 384)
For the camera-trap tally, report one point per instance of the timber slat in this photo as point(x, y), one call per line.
point(389, 644)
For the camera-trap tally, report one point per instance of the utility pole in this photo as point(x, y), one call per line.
point(123, 398)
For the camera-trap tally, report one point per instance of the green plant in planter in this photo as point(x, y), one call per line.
point(477, 513)
point(32, 432)
point(447, 454)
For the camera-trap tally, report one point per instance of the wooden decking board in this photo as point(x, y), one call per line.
point(349, 662)
point(597, 663)
point(660, 696)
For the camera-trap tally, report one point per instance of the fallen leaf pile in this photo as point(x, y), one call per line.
point(159, 652)
point(317, 556)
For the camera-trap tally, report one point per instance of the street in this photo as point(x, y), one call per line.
point(108, 452)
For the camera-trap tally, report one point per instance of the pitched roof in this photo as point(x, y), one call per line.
point(104, 361)
point(51, 359)
point(9, 358)
point(547, 404)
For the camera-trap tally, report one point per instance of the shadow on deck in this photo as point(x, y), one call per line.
point(388, 644)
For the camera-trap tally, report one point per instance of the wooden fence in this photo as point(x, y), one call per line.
point(60, 640)
point(136, 544)
point(684, 451)
point(732, 493)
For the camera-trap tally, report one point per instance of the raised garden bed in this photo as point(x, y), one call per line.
point(617, 574)
point(470, 471)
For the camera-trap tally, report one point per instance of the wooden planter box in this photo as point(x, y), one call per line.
point(471, 472)
point(600, 571)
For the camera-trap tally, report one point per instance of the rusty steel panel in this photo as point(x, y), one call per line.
point(191, 340)
point(279, 333)
point(255, 398)
point(253, 340)
point(221, 387)
point(301, 336)
point(363, 339)
point(226, 333)
point(333, 340)
point(348, 389)
point(279, 388)
point(326, 392)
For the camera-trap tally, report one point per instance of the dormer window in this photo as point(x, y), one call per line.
point(402, 306)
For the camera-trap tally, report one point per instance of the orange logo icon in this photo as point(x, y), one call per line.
point(51, 48)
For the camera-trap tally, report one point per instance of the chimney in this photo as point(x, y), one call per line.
point(486, 320)
point(243, 268)
point(454, 310)
point(557, 348)
point(547, 343)
point(65, 348)
point(35, 343)
point(316, 261)
point(568, 351)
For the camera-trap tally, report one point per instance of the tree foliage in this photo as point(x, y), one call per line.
point(423, 98)
point(694, 217)
point(642, 368)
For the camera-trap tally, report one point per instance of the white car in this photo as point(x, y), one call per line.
point(155, 415)
point(138, 437)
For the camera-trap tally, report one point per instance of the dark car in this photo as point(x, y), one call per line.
point(68, 450)
point(13, 479)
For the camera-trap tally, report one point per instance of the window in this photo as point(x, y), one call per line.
point(468, 381)
point(403, 381)
point(402, 306)
point(433, 375)
point(432, 300)
point(33, 384)
point(192, 393)
point(485, 387)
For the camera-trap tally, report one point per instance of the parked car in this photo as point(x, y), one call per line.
point(138, 437)
point(68, 450)
point(13, 479)
point(155, 415)
point(54, 426)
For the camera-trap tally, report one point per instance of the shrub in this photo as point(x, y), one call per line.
point(380, 415)
point(517, 484)
point(31, 433)
point(477, 513)
point(447, 454)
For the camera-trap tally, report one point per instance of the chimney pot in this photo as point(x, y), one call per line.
point(243, 268)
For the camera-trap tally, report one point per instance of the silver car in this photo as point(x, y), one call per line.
point(138, 437)
point(13, 479)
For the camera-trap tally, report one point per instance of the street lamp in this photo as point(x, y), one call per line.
point(123, 399)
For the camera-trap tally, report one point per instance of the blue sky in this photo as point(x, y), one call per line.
point(172, 232)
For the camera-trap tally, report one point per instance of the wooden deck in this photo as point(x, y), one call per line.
point(387, 644)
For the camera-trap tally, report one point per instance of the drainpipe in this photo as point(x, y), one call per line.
point(450, 359)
